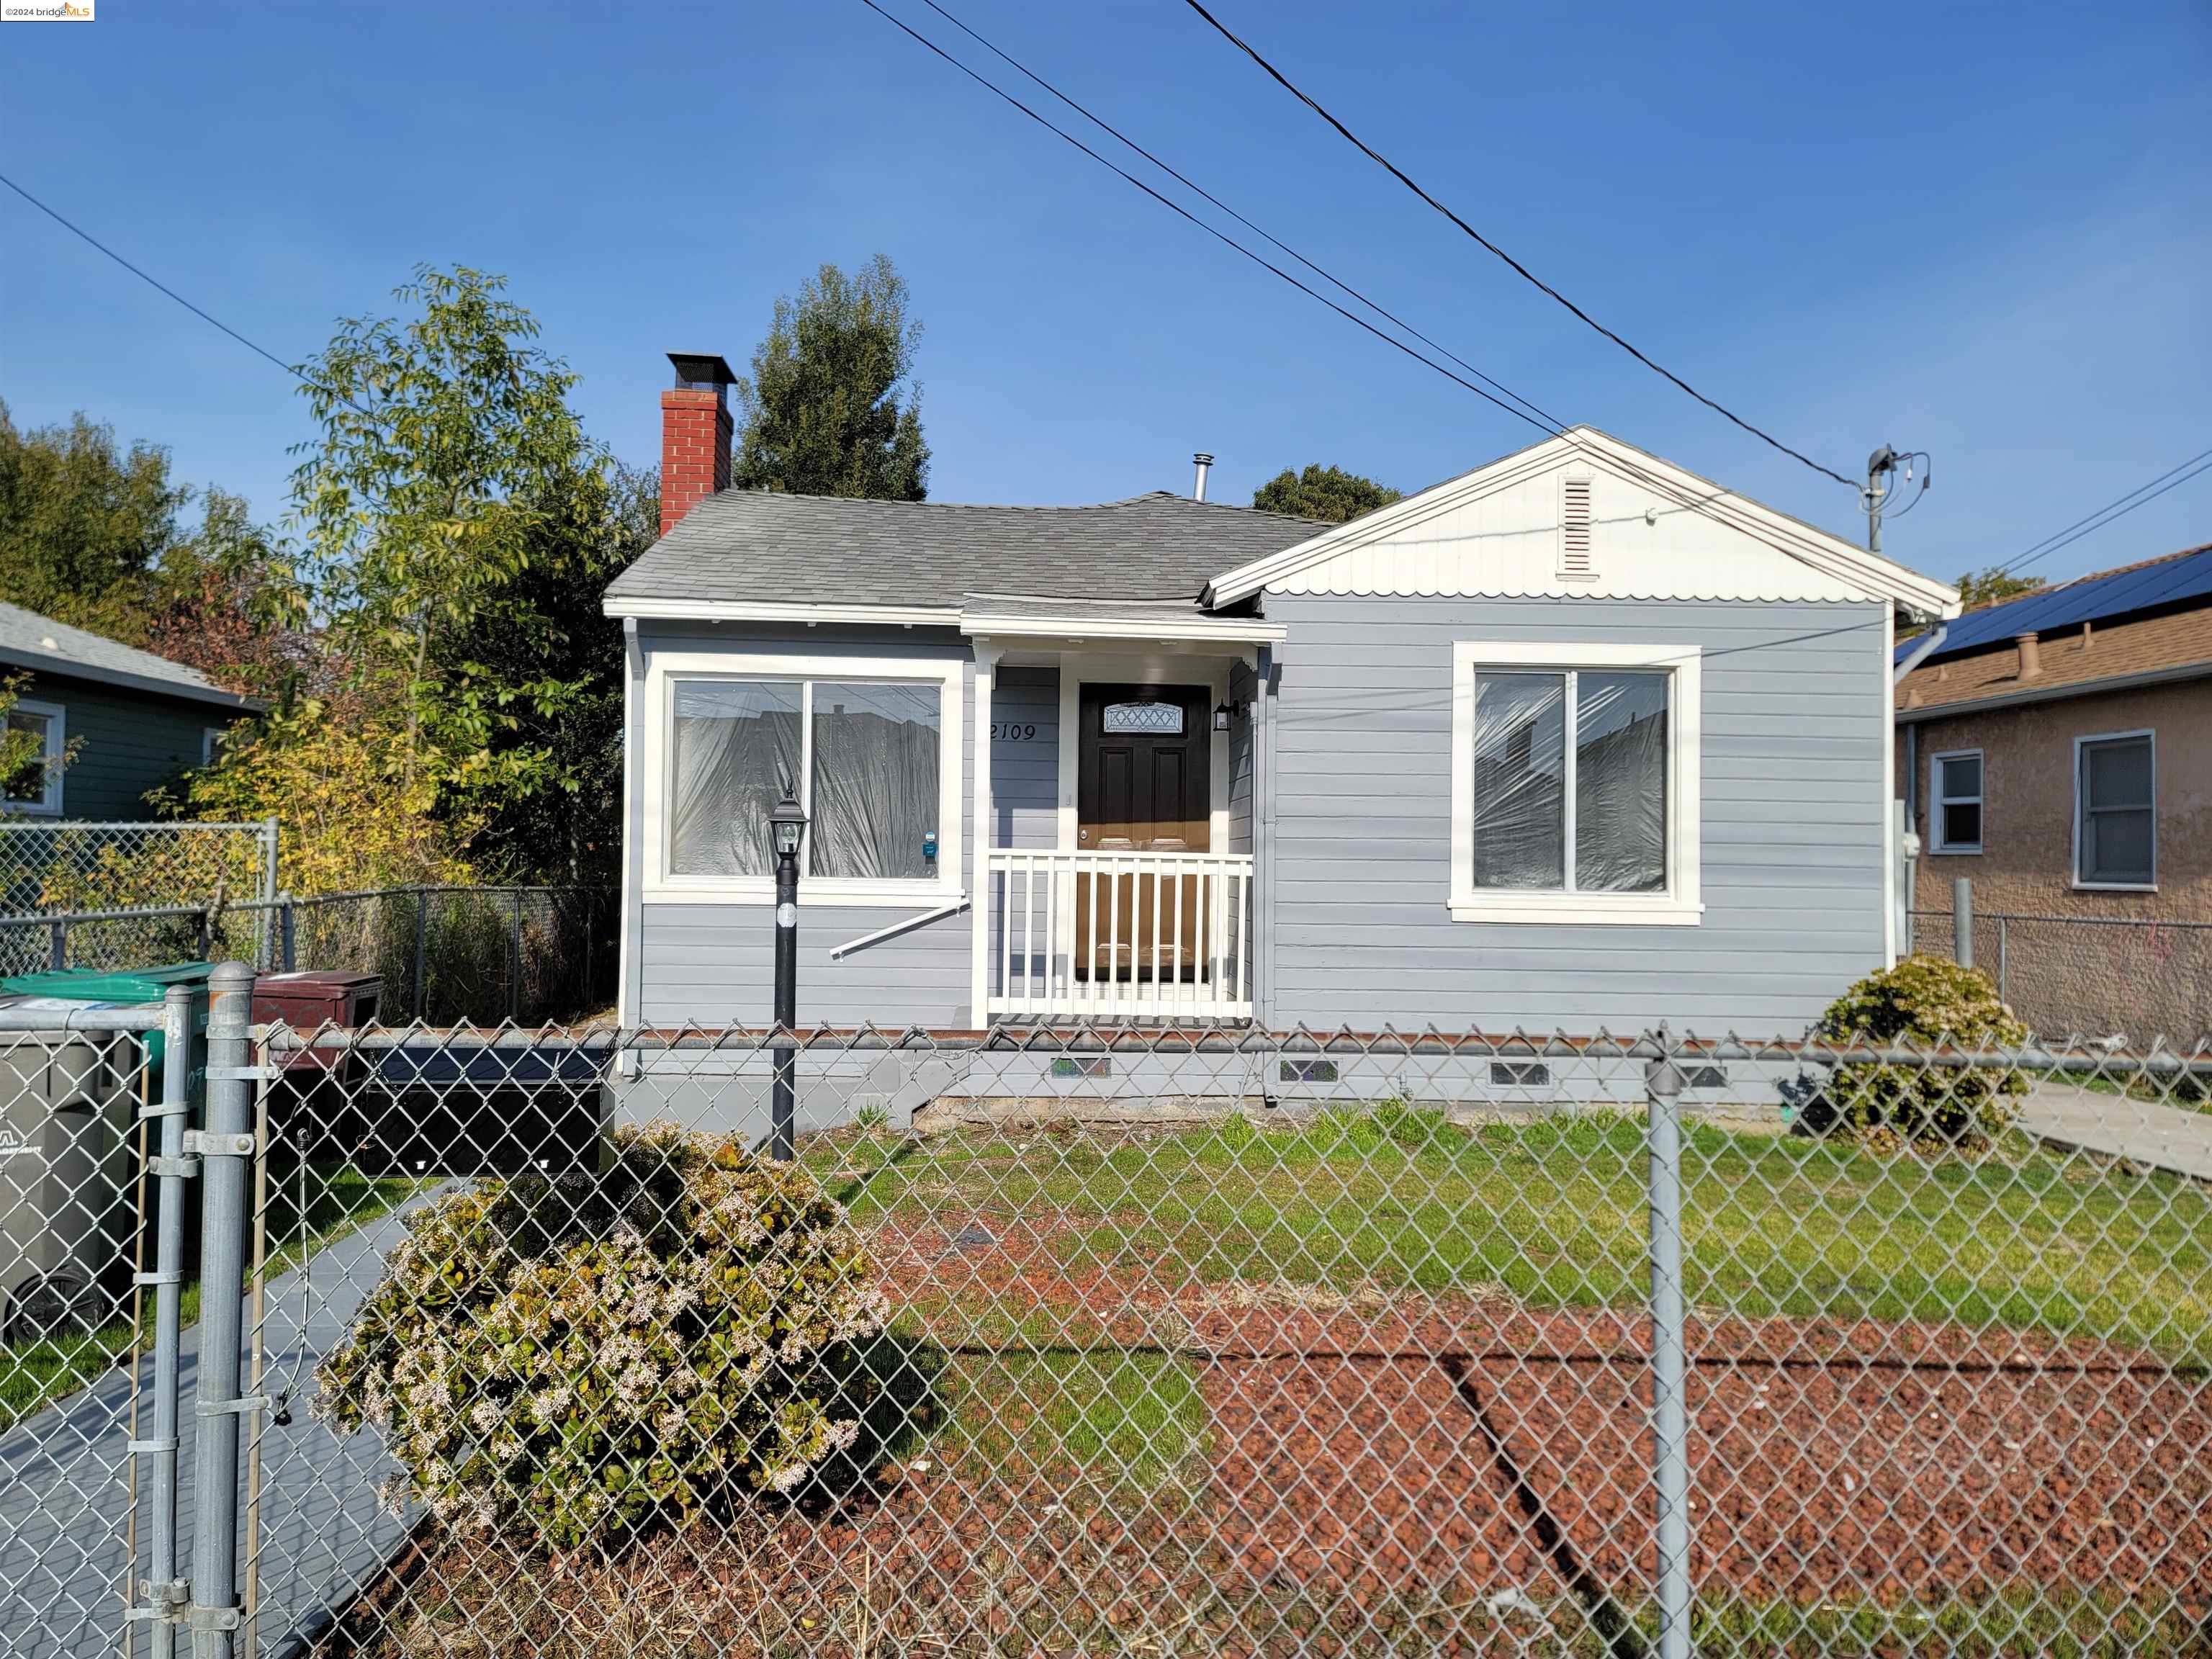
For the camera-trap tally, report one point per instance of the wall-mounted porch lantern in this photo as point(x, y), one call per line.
point(1223, 716)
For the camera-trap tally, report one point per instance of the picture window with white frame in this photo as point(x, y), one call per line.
point(1955, 802)
point(865, 756)
point(1574, 777)
point(2115, 810)
point(34, 785)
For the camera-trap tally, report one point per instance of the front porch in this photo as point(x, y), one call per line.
point(1115, 863)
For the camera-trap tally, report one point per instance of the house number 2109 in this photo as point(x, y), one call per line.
point(1013, 731)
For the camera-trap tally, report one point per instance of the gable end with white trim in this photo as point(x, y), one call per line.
point(1584, 516)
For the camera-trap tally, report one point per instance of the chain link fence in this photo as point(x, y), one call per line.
point(1105, 1340)
point(445, 955)
point(2094, 977)
point(67, 867)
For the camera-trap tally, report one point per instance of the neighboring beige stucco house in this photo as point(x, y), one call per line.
point(2058, 749)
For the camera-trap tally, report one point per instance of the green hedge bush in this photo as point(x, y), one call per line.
point(1920, 1002)
point(574, 1358)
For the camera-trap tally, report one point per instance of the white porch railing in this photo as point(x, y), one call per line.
point(1120, 935)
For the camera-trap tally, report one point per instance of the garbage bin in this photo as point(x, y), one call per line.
point(99, 988)
point(67, 1189)
point(314, 1104)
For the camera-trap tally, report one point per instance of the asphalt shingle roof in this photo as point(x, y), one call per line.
point(28, 639)
point(754, 546)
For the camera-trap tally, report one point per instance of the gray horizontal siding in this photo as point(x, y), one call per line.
point(1025, 768)
point(715, 964)
point(1792, 790)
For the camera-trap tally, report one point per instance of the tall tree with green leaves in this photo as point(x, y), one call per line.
point(83, 521)
point(830, 407)
point(1327, 493)
point(460, 530)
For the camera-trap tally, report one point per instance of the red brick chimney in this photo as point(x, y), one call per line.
point(695, 435)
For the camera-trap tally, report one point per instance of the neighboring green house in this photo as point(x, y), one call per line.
point(137, 720)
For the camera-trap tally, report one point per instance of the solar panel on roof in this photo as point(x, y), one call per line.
point(2168, 581)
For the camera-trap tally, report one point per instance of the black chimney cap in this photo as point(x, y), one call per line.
point(705, 372)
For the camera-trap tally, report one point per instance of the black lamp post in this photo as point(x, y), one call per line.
point(787, 826)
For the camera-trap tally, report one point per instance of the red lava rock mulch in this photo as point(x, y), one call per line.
point(1384, 1441)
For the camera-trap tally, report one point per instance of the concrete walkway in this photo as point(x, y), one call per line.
point(2146, 1131)
point(65, 1497)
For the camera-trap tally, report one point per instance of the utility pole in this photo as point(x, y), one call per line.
point(1883, 467)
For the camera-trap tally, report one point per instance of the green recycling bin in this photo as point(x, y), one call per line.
point(95, 987)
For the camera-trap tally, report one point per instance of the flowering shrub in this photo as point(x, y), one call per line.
point(1920, 1001)
point(578, 1355)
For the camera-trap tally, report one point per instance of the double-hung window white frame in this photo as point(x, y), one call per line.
point(1937, 799)
point(1678, 905)
point(666, 668)
point(49, 802)
point(2091, 740)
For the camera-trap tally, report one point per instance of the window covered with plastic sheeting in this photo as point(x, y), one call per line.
point(874, 776)
point(1620, 782)
point(1520, 780)
point(1570, 782)
point(736, 741)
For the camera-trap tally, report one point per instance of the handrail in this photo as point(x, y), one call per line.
point(1141, 854)
point(905, 924)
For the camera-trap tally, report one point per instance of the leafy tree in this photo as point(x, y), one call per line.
point(228, 603)
point(323, 769)
point(1327, 493)
point(830, 407)
point(92, 534)
point(1993, 586)
point(82, 522)
point(464, 690)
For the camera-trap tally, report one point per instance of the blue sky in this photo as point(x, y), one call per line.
point(1979, 231)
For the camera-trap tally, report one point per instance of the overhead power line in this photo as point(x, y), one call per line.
point(1176, 207)
point(1714, 506)
point(1519, 270)
point(155, 282)
point(2119, 508)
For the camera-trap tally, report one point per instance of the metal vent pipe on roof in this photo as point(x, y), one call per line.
point(2031, 657)
point(1201, 461)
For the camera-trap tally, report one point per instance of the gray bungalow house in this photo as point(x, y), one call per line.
point(1577, 739)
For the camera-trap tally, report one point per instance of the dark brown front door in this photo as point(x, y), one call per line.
point(1142, 786)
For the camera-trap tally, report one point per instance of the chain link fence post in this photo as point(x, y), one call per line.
point(1670, 1454)
point(514, 959)
point(165, 1590)
point(422, 947)
point(225, 1146)
point(1962, 921)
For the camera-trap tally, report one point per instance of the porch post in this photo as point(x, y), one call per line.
point(979, 901)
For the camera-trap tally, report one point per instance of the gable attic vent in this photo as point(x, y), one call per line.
point(1575, 531)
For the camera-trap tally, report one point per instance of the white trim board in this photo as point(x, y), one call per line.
point(664, 667)
point(1079, 628)
point(895, 616)
point(1680, 905)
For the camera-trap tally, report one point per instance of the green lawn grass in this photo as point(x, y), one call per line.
point(340, 1199)
point(1552, 1211)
